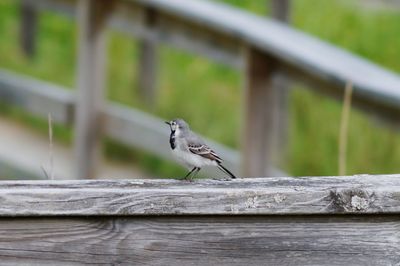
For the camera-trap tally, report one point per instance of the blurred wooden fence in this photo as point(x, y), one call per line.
point(262, 49)
point(260, 221)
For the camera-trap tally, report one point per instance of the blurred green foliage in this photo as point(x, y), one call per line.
point(209, 95)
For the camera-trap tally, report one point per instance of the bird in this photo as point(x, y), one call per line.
point(191, 150)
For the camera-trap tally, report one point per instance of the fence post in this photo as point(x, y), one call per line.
point(28, 26)
point(92, 16)
point(280, 10)
point(147, 74)
point(260, 108)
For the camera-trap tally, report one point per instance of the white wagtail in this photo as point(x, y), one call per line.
point(191, 150)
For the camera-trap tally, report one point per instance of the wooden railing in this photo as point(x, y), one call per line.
point(262, 49)
point(261, 221)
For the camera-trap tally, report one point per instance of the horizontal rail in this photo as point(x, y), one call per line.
point(301, 51)
point(222, 33)
point(37, 97)
point(123, 124)
point(130, 19)
point(361, 194)
point(222, 240)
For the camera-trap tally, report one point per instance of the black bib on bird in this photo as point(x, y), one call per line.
point(172, 140)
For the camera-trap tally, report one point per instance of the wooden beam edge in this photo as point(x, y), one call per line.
point(254, 196)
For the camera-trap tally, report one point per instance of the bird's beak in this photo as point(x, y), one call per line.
point(168, 123)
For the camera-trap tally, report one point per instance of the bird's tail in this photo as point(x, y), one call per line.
point(223, 169)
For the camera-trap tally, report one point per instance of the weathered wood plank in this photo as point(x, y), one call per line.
point(261, 240)
point(92, 17)
point(274, 196)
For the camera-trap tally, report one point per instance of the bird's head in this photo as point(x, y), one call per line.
point(178, 125)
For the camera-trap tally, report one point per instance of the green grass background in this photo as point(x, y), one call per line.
point(208, 95)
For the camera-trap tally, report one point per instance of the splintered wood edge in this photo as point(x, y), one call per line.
point(253, 196)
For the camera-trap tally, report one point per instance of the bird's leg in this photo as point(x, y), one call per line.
point(188, 174)
point(226, 171)
point(195, 173)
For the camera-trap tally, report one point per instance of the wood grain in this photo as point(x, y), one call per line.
point(254, 221)
point(252, 196)
point(201, 241)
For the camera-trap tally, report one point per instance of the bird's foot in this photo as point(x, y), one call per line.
point(188, 179)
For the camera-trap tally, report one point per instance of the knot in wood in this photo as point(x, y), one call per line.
point(358, 203)
point(351, 200)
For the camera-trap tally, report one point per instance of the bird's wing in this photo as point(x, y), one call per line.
point(204, 151)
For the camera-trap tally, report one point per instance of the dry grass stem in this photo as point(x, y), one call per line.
point(344, 124)
point(51, 156)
